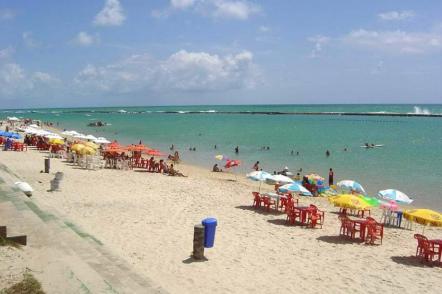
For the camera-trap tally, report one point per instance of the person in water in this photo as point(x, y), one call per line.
point(256, 166)
point(216, 169)
point(172, 147)
point(236, 149)
point(214, 147)
point(330, 177)
point(292, 153)
point(327, 153)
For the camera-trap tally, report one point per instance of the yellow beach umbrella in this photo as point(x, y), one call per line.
point(349, 201)
point(91, 144)
point(87, 151)
point(56, 141)
point(77, 147)
point(424, 217)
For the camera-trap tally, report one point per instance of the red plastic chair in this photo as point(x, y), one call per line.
point(315, 217)
point(375, 231)
point(292, 214)
point(267, 202)
point(348, 228)
point(425, 249)
point(256, 199)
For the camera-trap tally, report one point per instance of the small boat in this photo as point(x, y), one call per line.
point(372, 146)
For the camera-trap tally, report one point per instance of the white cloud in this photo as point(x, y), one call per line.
point(241, 10)
point(319, 42)
point(29, 40)
point(112, 14)
point(6, 14)
point(396, 15)
point(6, 53)
point(182, 4)
point(182, 71)
point(396, 41)
point(84, 39)
point(264, 29)
point(227, 9)
point(14, 80)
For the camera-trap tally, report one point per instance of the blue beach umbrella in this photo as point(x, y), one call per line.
point(349, 185)
point(398, 196)
point(295, 187)
point(259, 176)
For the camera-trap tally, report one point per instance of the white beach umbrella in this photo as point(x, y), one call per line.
point(102, 140)
point(295, 187)
point(54, 136)
point(34, 126)
point(80, 136)
point(280, 179)
point(398, 196)
point(91, 137)
point(12, 118)
point(352, 186)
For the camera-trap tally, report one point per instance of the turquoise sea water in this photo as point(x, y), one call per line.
point(410, 161)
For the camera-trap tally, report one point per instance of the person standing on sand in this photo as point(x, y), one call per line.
point(236, 149)
point(256, 166)
point(330, 177)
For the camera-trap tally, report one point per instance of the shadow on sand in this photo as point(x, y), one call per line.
point(411, 261)
point(262, 211)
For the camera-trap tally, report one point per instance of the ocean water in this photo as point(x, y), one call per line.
point(411, 159)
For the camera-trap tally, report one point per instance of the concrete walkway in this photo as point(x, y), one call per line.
point(68, 259)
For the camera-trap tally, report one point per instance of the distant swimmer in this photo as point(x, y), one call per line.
point(292, 153)
point(268, 148)
point(214, 147)
point(345, 149)
point(297, 152)
point(172, 147)
point(236, 149)
point(327, 153)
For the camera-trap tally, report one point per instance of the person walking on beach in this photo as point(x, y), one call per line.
point(256, 166)
point(236, 149)
point(330, 177)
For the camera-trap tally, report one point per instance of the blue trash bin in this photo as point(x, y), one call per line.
point(209, 231)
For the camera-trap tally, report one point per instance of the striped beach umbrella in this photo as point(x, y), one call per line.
point(295, 187)
point(279, 179)
point(350, 185)
point(259, 176)
point(398, 196)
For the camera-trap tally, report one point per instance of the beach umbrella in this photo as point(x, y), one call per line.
point(91, 137)
point(91, 145)
point(77, 147)
point(53, 136)
point(390, 205)
point(398, 196)
point(34, 126)
point(154, 152)
point(56, 141)
point(295, 187)
point(371, 200)
point(80, 136)
point(232, 163)
point(87, 151)
point(426, 217)
point(114, 144)
point(259, 176)
point(349, 201)
point(138, 147)
point(221, 157)
point(350, 185)
point(101, 140)
point(279, 179)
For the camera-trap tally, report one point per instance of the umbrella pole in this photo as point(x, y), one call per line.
point(259, 190)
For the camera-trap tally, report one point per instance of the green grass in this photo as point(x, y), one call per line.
point(29, 285)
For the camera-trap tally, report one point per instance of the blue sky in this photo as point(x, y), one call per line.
point(138, 52)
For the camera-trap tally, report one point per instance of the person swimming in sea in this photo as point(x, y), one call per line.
point(327, 153)
point(236, 149)
point(292, 153)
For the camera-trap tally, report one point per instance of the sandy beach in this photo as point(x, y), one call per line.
point(148, 219)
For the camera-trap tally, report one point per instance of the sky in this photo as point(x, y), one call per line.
point(177, 52)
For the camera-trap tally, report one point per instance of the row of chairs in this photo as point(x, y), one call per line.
point(426, 249)
point(369, 230)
